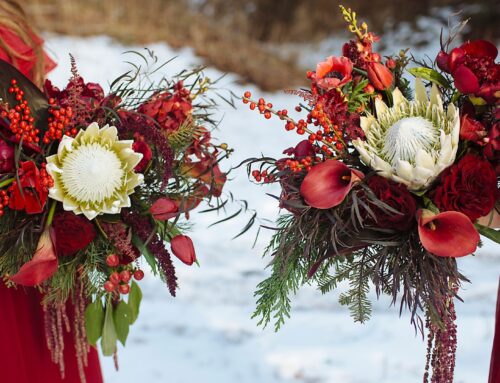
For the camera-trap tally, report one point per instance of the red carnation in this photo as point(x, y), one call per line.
point(396, 196)
point(72, 233)
point(333, 73)
point(34, 184)
point(469, 187)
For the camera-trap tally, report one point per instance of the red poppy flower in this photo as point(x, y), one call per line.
point(379, 75)
point(43, 264)
point(34, 193)
point(448, 234)
point(474, 70)
point(183, 248)
point(333, 73)
point(327, 184)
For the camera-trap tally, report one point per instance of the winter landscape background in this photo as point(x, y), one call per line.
point(206, 334)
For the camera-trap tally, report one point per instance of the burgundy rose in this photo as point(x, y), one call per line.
point(396, 196)
point(333, 73)
point(145, 150)
point(33, 183)
point(6, 157)
point(72, 233)
point(469, 187)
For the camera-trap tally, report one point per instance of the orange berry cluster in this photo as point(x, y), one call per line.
point(21, 120)
point(4, 201)
point(58, 123)
point(262, 176)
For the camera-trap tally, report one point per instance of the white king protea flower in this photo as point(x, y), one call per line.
point(94, 172)
point(413, 141)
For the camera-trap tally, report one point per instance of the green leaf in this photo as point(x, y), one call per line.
point(109, 337)
point(134, 301)
point(147, 254)
point(123, 319)
point(430, 75)
point(488, 232)
point(94, 319)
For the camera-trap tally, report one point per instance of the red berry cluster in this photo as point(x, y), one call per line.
point(262, 176)
point(21, 120)
point(58, 123)
point(46, 179)
point(4, 201)
point(119, 280)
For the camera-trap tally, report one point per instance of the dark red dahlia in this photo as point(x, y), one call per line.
point(72, 233)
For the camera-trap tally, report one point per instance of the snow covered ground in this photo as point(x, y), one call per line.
point(206, 334)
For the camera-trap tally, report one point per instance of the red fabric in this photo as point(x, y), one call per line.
point(24, 357)
point(495, 353)
point(25, 65)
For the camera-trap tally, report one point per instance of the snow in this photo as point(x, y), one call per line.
point(206, 335)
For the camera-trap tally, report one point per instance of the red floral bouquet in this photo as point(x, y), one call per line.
point(90, 182)
point(387, 186)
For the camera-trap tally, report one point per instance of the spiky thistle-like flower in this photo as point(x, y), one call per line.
point(412, 141)
point(94, 172)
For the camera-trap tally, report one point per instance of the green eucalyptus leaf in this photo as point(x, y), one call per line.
point(430, 75)
point(94, 320)
point(134, 301)
point(123, 319)
point(146, 253)
point(488, 232)
point(109, 337)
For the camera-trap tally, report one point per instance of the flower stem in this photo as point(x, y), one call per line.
point(52, 211)
point(6, 182)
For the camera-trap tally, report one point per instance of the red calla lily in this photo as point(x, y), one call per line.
point(43, 264)
point(183, 248)
point(327, 184)
point(447, 234)
point(164, 209)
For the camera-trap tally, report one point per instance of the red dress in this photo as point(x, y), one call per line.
point(495, 354)
point(24, 355)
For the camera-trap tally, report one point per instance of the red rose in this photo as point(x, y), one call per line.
point(469, 187)
point(396, 196)
point(34, 184)
point(145, 150)
point(333, 73)
point(72, 233)
point(6, 157)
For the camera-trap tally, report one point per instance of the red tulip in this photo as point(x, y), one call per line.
point(43, 264)
point(334, 72)
point(164, 209)
point(447, 234)
point(327, 184)
point(6, 157)
point(379, 75)
point(183, 248)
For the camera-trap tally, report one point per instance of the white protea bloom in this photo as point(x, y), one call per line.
point(413, 141)
point(94, 172)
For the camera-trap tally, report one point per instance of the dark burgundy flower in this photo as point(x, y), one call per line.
point(303, 149)
point(333, 73)
point(183, 248)
point(469, 187)
point(474, 70)
point(379, 75)
point(141, 147)
point(6, 157)
point(34, 193)
point(398, 197)
point(72, 233)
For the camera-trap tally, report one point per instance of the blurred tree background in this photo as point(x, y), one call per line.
point(245, 36)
